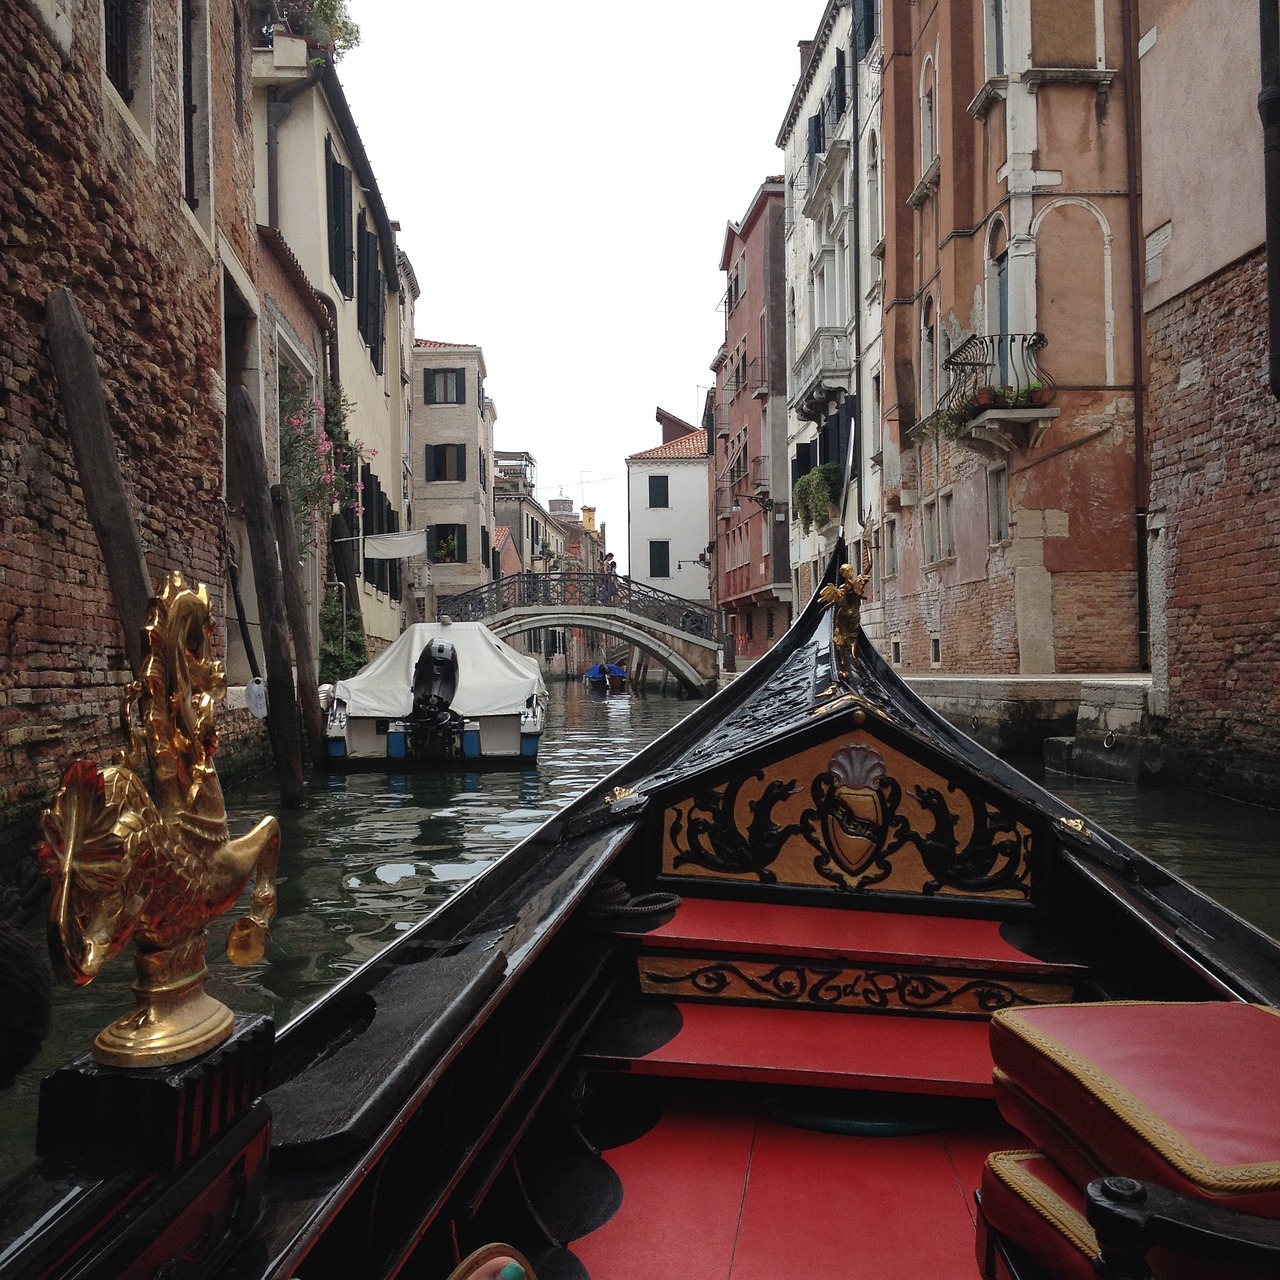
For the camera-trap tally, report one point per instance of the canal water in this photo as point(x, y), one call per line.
point(371, 855)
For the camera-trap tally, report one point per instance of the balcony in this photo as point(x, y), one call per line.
point(758, 378)
point(822, 370)
point(1000, 396)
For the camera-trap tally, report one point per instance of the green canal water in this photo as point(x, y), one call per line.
point(370, 855)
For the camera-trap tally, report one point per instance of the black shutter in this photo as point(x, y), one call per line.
point(366, 520)
point(433, 539)
point(837, 88)
point(393, 566)
point(484, 545)
point(461, 542)
point(461, 451)
point(461, 375)
point(429, 472)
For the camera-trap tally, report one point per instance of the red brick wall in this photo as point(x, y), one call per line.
point(1215, 474)
point(84, 204)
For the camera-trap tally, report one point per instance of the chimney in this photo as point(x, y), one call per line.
point(805, 46)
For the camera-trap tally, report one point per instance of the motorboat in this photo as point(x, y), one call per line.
point(812, 985)
point(440, 691)
point(606, 677)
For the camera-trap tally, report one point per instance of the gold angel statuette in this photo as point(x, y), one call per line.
point(157, 866)
point(845, 601)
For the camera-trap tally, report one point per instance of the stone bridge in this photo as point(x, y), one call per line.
point(684, 636)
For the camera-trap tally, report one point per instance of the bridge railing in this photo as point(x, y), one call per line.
point(575, 590)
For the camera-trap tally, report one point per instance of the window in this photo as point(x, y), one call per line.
point(895, 652)
point(444, 386)
point(484, 545)
point(340, 214)
point(817, 138)
point(890, 548)
point(928, 139)
point(836, 91)
point(660, 559)
point(998, 504)
point(484, 468)
point(446, 462)
point(927, 370)
point(864, 27)
point(196, 164)
point(126, 28)
point(447, 543)
point(371, 291)
point(873, 192)
point(946, 527)
point(658, 491)
point(935, 651)
point(877, 441)
point(994, 32)
point(929, 525)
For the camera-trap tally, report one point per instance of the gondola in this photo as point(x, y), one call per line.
point(813, 985)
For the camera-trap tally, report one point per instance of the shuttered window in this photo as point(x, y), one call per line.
point(446, 462)
point(371, 295)
point(341, 243)
point(447, 543)
point(444, 386)
point(660, 559)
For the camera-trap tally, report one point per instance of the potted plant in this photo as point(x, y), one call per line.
point(816, 495)
point(446, 549)
point(1036, 394)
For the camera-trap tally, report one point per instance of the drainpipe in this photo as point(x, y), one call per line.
point(1269, 110)
point(1137, 269)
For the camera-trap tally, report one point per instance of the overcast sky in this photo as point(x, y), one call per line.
point(563, 174)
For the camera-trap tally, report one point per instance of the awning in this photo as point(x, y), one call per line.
point(396, 546)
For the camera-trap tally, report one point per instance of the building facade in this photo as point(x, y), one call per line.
point(451, 467)
point(1212, 421)
point(138, 200)
point(1011, 501)
point(319, 200)
point(666, 520)
point(834, 242)
point(750, 497)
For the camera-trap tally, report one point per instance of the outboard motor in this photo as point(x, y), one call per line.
point(433, 728)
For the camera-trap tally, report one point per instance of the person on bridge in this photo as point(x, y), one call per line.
point(610, 588)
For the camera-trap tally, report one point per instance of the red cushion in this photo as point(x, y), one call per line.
point(1046, 1133)
point(1033, 1204)
point(1181, 1094)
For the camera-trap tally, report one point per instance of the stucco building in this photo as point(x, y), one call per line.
point(666, 511)
point(451, 466)
point(834, 293)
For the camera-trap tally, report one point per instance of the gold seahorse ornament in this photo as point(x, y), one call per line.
point(156, 866)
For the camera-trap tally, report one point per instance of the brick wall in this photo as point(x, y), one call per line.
point(1215, 477)
point(88, 203)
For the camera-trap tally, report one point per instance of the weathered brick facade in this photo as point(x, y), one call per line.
point(89, 201)
point(1215, 489)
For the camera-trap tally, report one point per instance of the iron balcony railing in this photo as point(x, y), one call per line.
point(994, 371)
point(582, 590)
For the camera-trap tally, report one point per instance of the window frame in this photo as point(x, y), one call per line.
point(665, 504)
point(659, 558)
point(998, 524)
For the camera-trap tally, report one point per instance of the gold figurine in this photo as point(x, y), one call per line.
point(846, 602)
point(125, 865)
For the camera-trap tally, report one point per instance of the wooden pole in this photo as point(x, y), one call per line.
point(282, 707)
point(94, 449)
point(295, 602)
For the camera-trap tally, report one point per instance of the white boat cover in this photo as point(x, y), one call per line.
point(493, 679)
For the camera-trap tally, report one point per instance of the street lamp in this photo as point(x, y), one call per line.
point(766, 503)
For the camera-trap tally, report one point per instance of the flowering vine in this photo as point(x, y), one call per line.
point(318, 460)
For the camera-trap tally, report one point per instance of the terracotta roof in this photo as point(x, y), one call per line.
point(694, 445)
point(431, 342)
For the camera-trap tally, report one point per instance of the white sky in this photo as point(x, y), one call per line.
point(562, 174)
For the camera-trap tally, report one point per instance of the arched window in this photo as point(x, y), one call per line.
point(997, 273)
point(928, 120)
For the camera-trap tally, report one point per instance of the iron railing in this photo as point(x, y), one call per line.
point(994, 371)
point(582, 590)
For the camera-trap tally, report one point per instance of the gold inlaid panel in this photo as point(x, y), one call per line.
point(855, 816)
point(853, 987)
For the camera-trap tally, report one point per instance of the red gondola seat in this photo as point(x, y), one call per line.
point(1179, 1097)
